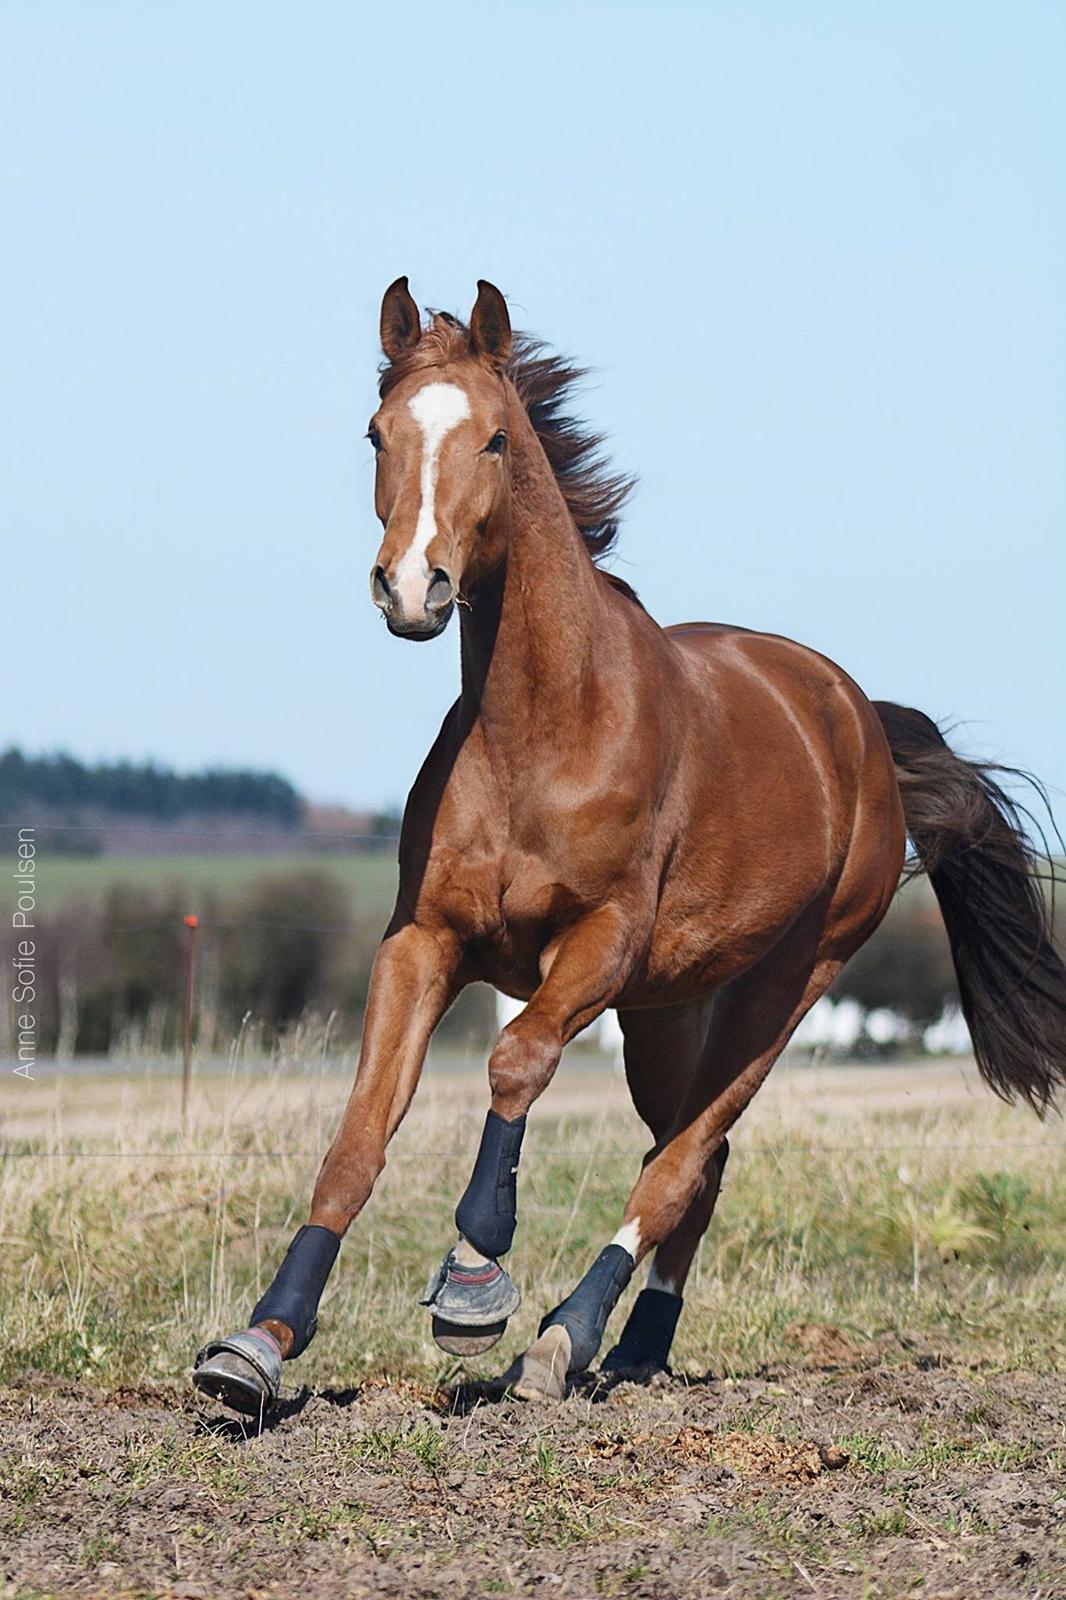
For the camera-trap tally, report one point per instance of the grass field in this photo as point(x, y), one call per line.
point(869, 1394)
point(370, 879)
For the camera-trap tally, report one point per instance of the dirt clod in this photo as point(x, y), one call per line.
point(753, 1455)
point(821, 1344)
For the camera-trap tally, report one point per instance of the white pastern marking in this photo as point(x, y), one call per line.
point(437, 408)
point(628, 1236)
point(666, 1285)
point(467, 1255)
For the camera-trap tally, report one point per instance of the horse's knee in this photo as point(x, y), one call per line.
point(521, 1065)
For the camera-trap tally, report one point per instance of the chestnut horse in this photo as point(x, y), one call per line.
point(696, 825)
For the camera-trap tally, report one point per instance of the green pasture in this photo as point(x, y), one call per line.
point(369, 879)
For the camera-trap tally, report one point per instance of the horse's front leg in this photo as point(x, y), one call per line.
point(471, 1296)
point(414, 979)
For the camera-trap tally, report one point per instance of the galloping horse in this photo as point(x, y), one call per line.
point(695, 825)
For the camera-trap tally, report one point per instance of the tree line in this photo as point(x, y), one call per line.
point(61, 785)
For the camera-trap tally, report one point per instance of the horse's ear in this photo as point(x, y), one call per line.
point(490, 326)
point(401, 326)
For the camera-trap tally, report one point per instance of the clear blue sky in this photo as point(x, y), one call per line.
point(816, 252)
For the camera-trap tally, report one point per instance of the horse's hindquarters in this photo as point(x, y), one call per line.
point(790, 799)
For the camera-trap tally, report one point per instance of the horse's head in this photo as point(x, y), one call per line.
point(440, 437)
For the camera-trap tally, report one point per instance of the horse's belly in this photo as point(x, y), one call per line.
point(691, 958)
point(710, 927)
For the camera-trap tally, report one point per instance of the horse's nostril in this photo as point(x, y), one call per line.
point(379, 589)
point(440, 592)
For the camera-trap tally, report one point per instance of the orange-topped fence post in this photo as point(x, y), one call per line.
point(192, 923)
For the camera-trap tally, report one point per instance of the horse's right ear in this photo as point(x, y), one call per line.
point(401, 326)
point(490, 325)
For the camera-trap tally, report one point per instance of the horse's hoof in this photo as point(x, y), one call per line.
point(470, 1305)
point(460, 1341)
point(617, 1367)
point(540, 1374)
point(243, 1371)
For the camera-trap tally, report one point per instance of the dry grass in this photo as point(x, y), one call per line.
point(896, 1204)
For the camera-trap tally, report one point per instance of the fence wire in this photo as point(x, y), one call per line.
point(736, 1148)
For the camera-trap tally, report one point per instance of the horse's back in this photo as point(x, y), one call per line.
point(718, 643)
point(742, 667)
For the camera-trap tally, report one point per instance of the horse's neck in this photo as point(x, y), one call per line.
point(530, 634)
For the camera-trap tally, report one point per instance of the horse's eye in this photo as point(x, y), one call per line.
point(496, 444)
point(375, 438)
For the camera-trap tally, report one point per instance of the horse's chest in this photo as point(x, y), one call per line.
point(536, 894)
point(507, 910)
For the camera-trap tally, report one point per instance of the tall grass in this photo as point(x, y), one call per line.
point(898, 1207)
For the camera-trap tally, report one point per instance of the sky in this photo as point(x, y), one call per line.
point(815, 254)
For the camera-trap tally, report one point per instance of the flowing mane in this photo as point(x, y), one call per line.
point(545, 382)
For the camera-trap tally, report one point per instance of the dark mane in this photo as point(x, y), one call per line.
point(545, 383)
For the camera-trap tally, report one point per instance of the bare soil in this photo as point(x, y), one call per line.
point(850, 1471)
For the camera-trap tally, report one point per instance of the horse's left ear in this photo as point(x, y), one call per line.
point(490, 326)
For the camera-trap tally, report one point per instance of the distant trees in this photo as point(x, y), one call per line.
point(284, 951)
point(907, 964)
point(60, 784)
point(291, 946)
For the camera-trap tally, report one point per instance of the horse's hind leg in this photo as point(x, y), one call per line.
point(663, 1051)
point(751, 1022)
point(663, 1048)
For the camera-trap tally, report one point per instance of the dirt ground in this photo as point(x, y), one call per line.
point(846, 1474)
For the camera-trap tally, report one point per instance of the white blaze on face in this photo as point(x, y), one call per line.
point(437, 408)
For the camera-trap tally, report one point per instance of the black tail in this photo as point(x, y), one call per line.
point(987, 877)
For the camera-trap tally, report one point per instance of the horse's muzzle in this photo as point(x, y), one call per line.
point(422, 617)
